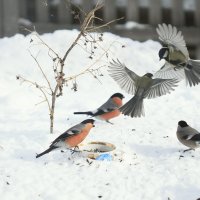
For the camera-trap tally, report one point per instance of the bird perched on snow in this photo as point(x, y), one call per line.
point(188, 136)
point(108, 110)
point(177, 61)
point(140, 86)
point(70, 138)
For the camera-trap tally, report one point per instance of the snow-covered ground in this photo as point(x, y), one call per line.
point(146, 165)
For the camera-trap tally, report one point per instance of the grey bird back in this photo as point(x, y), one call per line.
point(110, 104)
point(77, 128)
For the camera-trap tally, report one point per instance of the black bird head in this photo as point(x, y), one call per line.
point(163, 53)
point(182, 124)
point(88, 121)
point(119, 95)
point(149, 75)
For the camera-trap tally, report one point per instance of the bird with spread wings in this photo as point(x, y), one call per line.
point(140, 86)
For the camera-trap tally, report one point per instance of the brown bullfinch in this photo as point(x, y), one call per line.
point(188, 136)
point(70, 138)
point(108, 110)
point(140, 86)
point(177, 61)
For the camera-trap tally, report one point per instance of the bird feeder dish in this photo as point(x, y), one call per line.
point(95, 149)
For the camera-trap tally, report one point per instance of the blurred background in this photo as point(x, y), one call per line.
point(139, 17)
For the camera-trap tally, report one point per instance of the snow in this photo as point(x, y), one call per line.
point(147, 164)
point(132, 24)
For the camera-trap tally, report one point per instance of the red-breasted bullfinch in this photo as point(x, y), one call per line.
point(70, 138)
point(108, 110)
point(177, 61)
point(140, 86)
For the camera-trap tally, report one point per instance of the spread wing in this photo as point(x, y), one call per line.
point(125, 78)
point(167, 71)
point(108, 106)
point(160, 87)
point(70, 132)
point(169, 35)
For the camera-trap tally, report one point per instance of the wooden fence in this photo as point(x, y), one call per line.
point(50, 15)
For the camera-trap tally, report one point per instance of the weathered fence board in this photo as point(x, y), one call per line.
point(177, 12)
point(1, 19)
point(47, 17)
point(155, 12)
point(11, 10)
point(22, 8)
point(197, 13)
point(86, 6)
point(42, 11)
point(132, 10)
point(64, 13)
point(110, 10)
point(10, 16)
point(150, 33)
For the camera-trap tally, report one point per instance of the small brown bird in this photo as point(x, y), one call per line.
point(108, 110)
point(70, 138)
point(177, 61)
point(188, 136)
point(140, 86)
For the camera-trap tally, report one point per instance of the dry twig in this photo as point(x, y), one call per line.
point(87, 26)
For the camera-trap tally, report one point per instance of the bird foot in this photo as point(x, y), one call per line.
point(109, 122)
point(74, 150)
point(176, 68)
point(179, 66)
point(181, 156)
point(188, 150)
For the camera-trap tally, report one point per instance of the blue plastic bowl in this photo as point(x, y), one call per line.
point(105, 156)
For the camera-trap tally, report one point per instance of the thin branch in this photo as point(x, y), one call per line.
point(37, 86)
point(40, 102)
point(88, 68)
point(86, 27)
point(89, 17)
point(70, 48)
point(104, 25)
point(44, 75)
point(45, 44)
point(91, 72)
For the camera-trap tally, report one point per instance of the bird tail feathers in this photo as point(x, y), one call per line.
point(46, 151)
point(192, 72)
point(133, 108)
point(84, 113)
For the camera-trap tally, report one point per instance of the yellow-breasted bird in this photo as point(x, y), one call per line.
point(175, 53)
